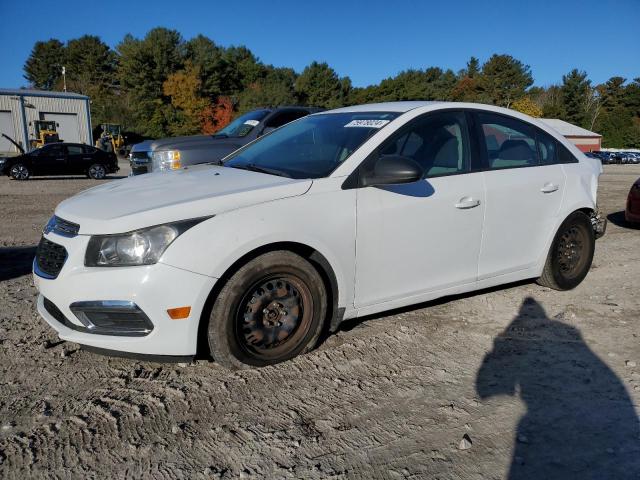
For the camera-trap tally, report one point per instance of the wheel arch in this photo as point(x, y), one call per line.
point(312, 255)
point(586, 209)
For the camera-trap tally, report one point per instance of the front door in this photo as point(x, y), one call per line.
point(49, 160)
point(425, 236)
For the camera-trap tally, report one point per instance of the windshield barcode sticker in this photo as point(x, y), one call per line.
point(367, 123)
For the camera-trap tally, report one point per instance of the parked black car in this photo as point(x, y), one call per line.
point(60, 159)
point(177, 152)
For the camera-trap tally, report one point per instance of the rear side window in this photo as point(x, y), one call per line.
point(565, 156)
point(88, 150)
point(282, 118)
point(509, 143)
point(547, 148)
point(74, 150)
point(438, 142)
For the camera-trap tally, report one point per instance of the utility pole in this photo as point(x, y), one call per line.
point(64, 78)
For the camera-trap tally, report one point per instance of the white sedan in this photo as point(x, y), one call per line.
point(339, 214)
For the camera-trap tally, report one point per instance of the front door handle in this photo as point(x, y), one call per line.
point(549, 188)
point(467, 202)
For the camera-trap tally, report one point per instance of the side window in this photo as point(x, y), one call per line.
point(88, 150)
point(510, 143)
point(285, 117)
point(54, 150)
point(438, 142)
point(547, 148)
point(74, 150)
point(565, 156)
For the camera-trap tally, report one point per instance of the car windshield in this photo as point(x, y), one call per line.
point(242, 125)
point(311, 147)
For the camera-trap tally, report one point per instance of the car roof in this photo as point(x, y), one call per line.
point(386, 107)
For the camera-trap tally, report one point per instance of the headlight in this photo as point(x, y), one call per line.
point(166, 160)
point(142, 247)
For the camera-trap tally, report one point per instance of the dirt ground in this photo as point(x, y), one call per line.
point(519, 381)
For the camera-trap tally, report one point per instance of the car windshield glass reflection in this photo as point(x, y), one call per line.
point(311, 147)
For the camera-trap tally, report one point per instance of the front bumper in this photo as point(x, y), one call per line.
point(153, 289)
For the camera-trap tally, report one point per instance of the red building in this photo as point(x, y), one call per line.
point(584, 139)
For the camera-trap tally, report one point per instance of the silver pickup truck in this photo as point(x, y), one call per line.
point(176, 152)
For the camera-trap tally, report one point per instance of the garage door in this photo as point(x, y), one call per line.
point(6, 127)
point(68, 127)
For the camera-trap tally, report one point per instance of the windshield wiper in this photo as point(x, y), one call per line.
point(255, 168)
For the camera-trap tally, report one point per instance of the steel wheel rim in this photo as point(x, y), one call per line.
point(273, 316)
point(20, 172)
point(572, 251)
point(96, 171)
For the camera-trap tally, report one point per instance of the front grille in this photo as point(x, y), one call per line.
point(61, 227)
point(50, 258)
point(140, 156)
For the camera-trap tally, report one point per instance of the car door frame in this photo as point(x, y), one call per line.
point(532, 269)
point(474, 168)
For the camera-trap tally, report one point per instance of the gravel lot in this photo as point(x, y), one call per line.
point(518, 381)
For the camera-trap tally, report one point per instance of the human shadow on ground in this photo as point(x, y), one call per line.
point(15, 261)
point(580, 421)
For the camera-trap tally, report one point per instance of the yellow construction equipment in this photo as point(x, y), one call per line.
point(112, 133)
point(45, 132)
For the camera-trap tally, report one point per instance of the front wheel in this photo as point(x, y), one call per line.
point(571, 253)
point(97, 171)
point(19, 172)
point(272, 309)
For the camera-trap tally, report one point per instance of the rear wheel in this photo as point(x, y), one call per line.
point(571, 253)
point(272, 309)
point(19, 172)
point(97, 171)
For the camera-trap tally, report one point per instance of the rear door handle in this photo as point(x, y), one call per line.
point(549, 188)
point(467, 202)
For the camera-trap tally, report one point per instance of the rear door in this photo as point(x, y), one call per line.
point(78, 161)
point(524, 188)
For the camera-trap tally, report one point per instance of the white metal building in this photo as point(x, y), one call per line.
point(19, 108)
point(585, 140)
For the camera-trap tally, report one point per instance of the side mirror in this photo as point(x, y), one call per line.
point(392, 170)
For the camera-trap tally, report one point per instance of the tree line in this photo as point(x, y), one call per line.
point(164, 85)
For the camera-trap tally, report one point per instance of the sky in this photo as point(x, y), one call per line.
point(365, 40)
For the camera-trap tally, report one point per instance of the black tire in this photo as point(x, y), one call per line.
point(272, 309)
point(571, 253)
point(97, 171)
point(19, 171)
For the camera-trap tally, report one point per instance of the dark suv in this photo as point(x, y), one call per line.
point(60, 159)
point(176, 152)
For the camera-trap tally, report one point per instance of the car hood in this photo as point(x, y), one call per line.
point(152, 199)
point(190, 142)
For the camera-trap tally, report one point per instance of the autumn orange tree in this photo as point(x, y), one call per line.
point(527, 106)
point(217, 116)
point(187, 104)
